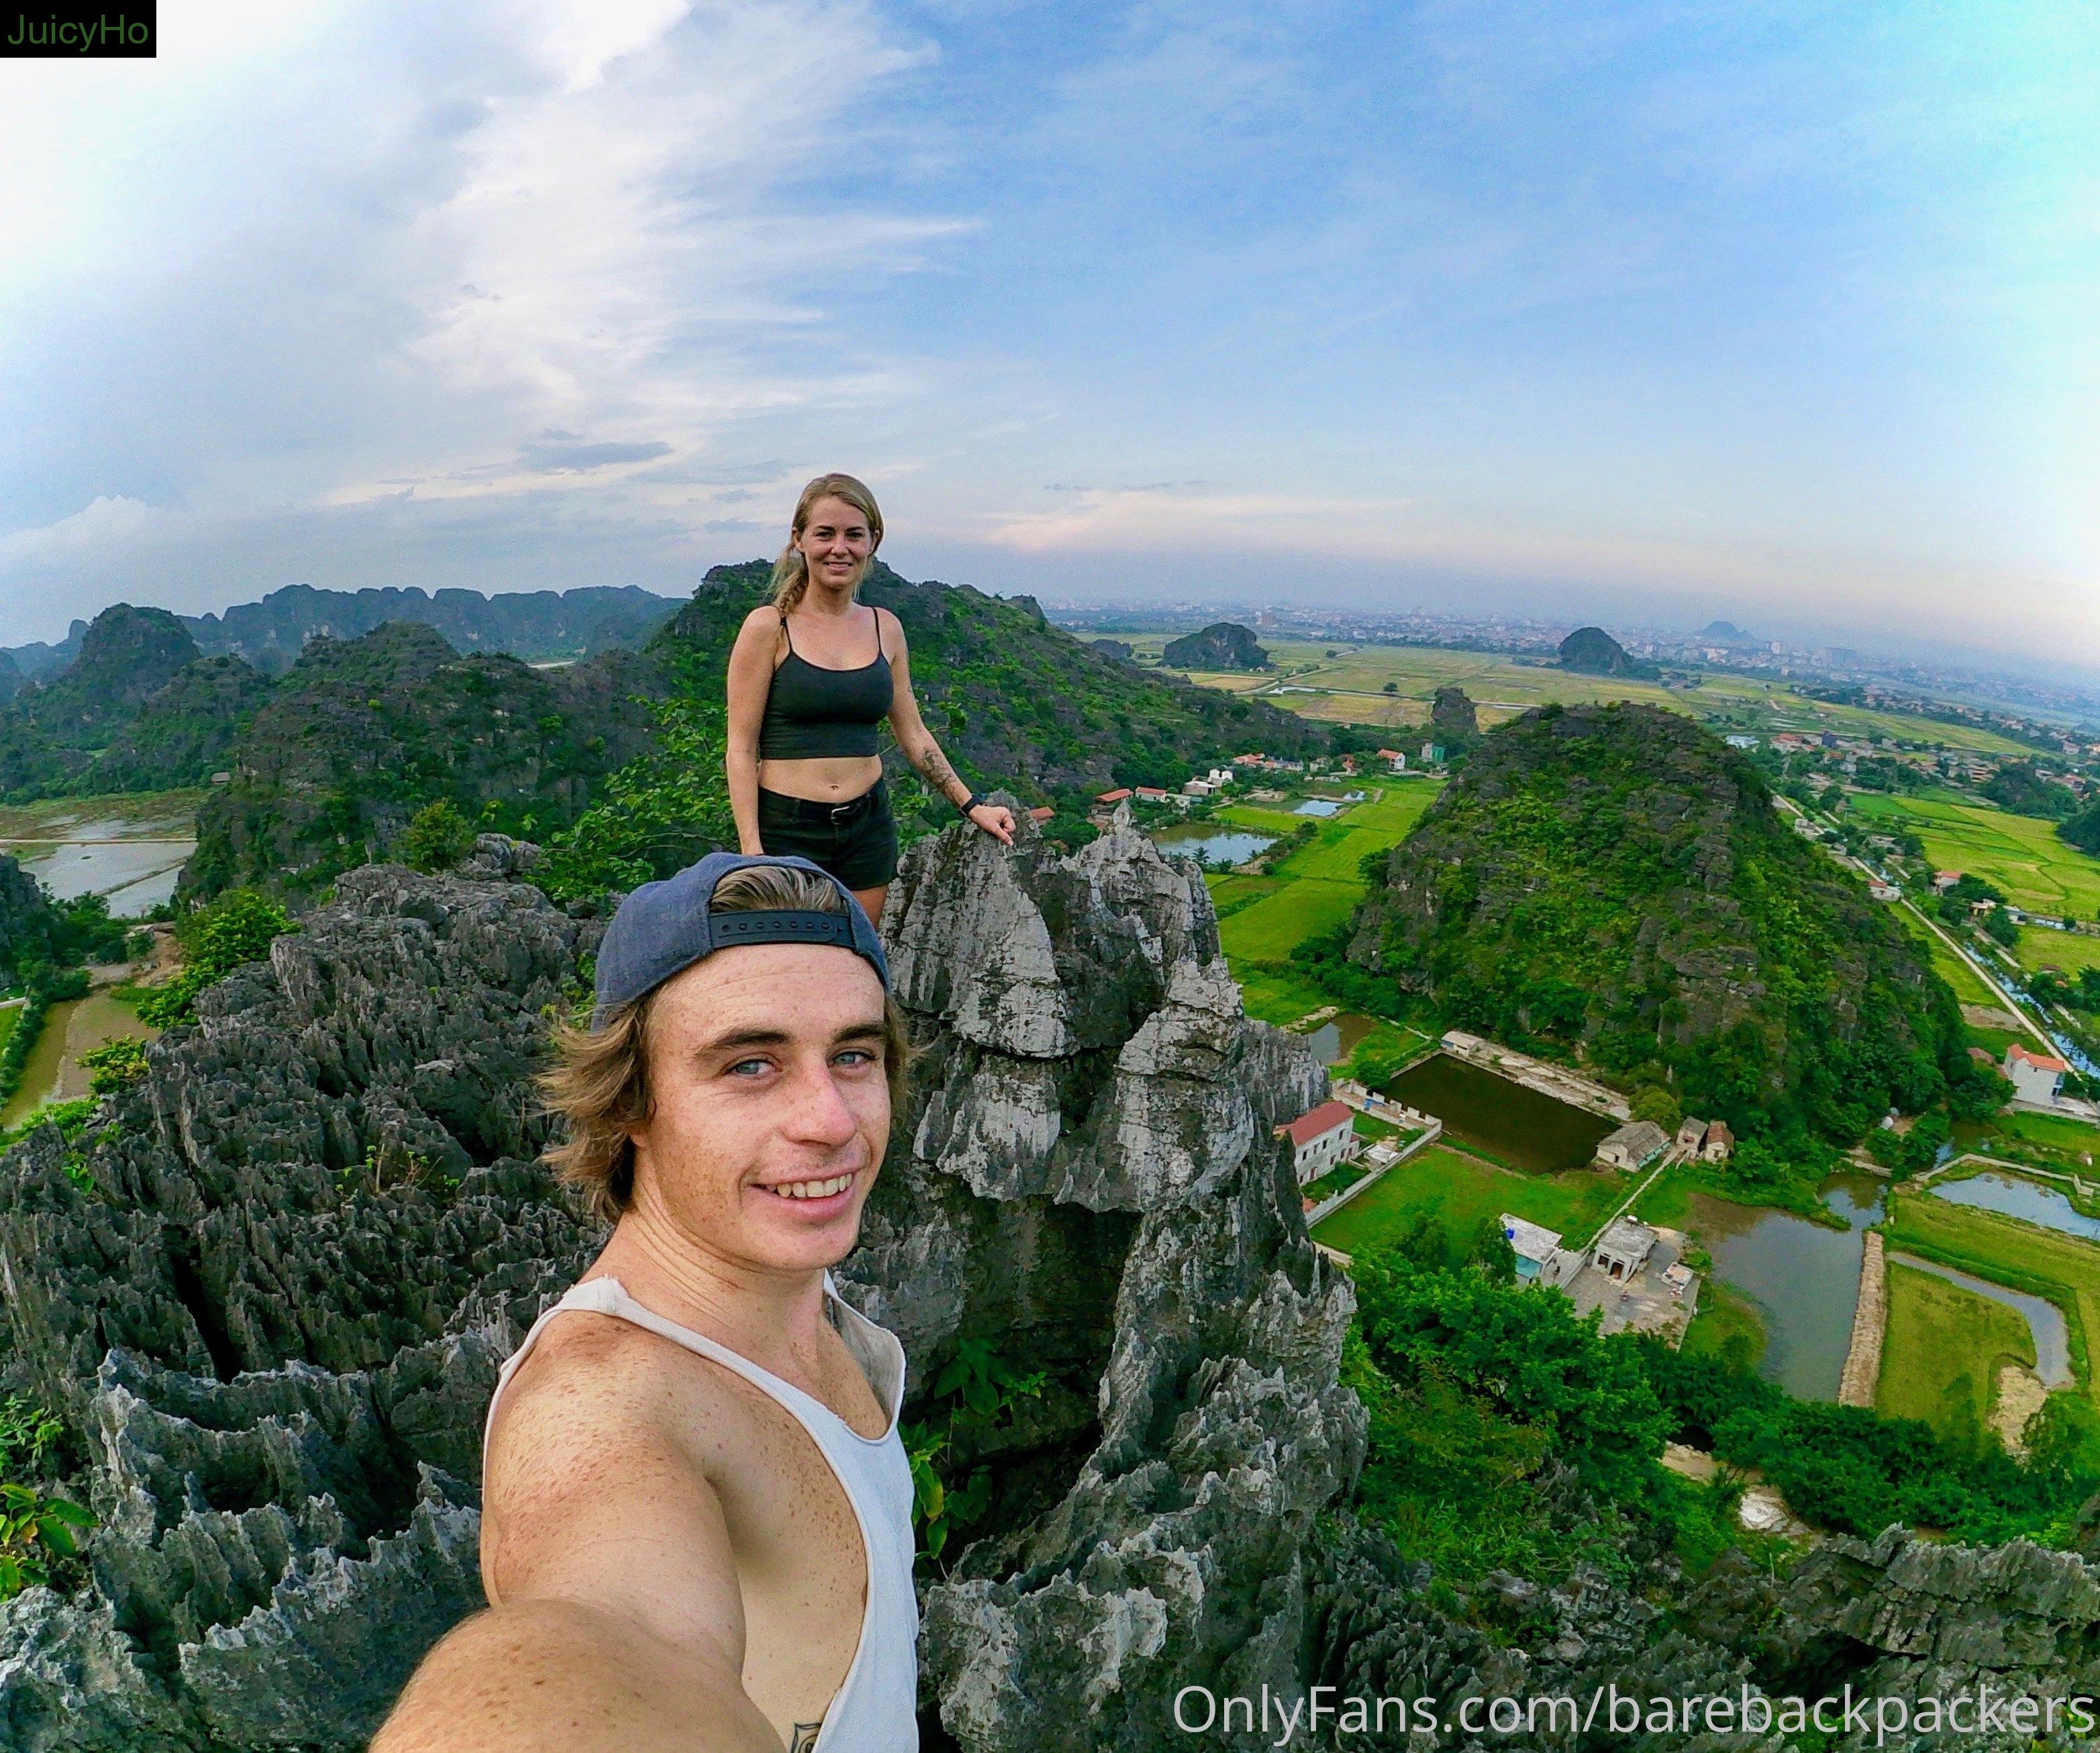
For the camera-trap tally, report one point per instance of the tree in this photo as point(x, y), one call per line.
point(659, 813)
point(438, 836)
point(1998, 926)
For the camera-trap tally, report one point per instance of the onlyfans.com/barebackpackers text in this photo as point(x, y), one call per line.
point(1326, 1716)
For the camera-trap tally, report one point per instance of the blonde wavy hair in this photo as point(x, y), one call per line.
point(598, 1083)
point(790, 572)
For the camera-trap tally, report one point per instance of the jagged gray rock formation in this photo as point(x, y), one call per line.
point(272, 1315)
point(316, 1226)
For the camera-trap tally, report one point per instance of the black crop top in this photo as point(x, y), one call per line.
point(812, 712)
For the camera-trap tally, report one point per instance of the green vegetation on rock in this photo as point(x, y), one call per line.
point(1613, 883)
point(364, 733)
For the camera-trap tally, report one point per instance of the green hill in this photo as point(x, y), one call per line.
point(140, 709)
point(363, 732)
point(1614, 882)
point(1014, 700)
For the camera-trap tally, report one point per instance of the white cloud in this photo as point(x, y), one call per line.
point(325, 254)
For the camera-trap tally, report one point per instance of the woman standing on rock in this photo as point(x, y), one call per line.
point(811, 675)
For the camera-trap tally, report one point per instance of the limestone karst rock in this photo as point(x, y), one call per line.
point(316, 1226)
point(312, 1230)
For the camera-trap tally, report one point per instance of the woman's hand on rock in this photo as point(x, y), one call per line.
point(996, 819)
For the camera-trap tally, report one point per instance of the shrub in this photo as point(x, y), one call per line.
point(235, 929)
point(438, 837)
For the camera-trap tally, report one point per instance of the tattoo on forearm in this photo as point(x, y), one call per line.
point(933, 768)
point(804, 1737)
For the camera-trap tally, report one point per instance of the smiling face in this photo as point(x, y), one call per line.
point(835, 543)
point(771, 1105)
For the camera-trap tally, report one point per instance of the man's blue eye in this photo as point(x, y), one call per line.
point(741, 1063)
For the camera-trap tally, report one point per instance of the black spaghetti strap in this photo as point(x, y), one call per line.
point(785, 634)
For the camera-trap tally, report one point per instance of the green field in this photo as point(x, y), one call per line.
point(2019, 853)
point(2069, 951)
point(2020, 1255)
point(1941, 1355)
point(1311, 892)
point(1459, 1190)
point(1349, 688)
point(1969, 986)
point(1727, 1325)
point(1262, 820)
point(1276, 925)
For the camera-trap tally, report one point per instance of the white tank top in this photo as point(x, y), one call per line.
point(875, 1709)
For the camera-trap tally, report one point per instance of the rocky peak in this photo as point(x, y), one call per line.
point(316, 1225)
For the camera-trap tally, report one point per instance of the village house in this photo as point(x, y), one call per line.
point(1432, 752)
point(1198, 788)
point(1153, 794)
point(1740, 740)
point(2035, 1077)
point(1634, 1145)
point(1320, 1138)
point(1689, 1136)
point(1942, 880)
point(1041, 814)
point(1884, 891)
point(1622, 1250)
point(1108, 800)
point(1719, 1144)
point(1540, 1257)
point(1393, 758)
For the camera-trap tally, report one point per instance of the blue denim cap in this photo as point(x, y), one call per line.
point(663, 928)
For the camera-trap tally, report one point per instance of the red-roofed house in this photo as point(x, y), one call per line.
point(1395, 758)
point(2036, 1076)
point(1154, 793)
point(1041, 813)
point(1109, 799)
point(1320, 1138)
point(1942, 880)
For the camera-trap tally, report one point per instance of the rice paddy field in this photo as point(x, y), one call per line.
point(1350, 687)
point(2023, 1257)
point(1311, 892)
point(1942, 1351)
point(2020, 855)
point(2071, 951)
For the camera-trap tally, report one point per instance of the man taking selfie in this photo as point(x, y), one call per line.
point(696, 1530)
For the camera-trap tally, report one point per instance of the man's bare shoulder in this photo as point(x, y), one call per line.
point(596, 1391)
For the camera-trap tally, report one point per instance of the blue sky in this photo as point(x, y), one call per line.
point(1623, 311)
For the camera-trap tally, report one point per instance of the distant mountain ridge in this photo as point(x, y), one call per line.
point(539, 626)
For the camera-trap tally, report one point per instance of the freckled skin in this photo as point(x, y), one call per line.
point(671, 1562)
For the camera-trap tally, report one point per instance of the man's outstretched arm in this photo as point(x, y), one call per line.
point(553, 1676)
point(617, 1625)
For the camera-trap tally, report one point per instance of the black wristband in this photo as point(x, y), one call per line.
point(968, 804)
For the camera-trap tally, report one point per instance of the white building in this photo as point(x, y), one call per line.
point(1320, 1138)
point(1634, 1145)
point(1198, 788)
point(1737, 740)
point(2036, 1076)
point(1622, 1249)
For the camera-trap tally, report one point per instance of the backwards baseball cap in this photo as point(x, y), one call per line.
point(663, 928)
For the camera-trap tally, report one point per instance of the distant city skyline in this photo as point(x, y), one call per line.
point(1636, 314)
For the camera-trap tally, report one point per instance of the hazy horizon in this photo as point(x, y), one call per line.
point(1646, 314)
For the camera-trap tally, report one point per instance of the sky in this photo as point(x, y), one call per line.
point(1638, 312)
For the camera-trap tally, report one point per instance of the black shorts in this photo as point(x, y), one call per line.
point(855, 841)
